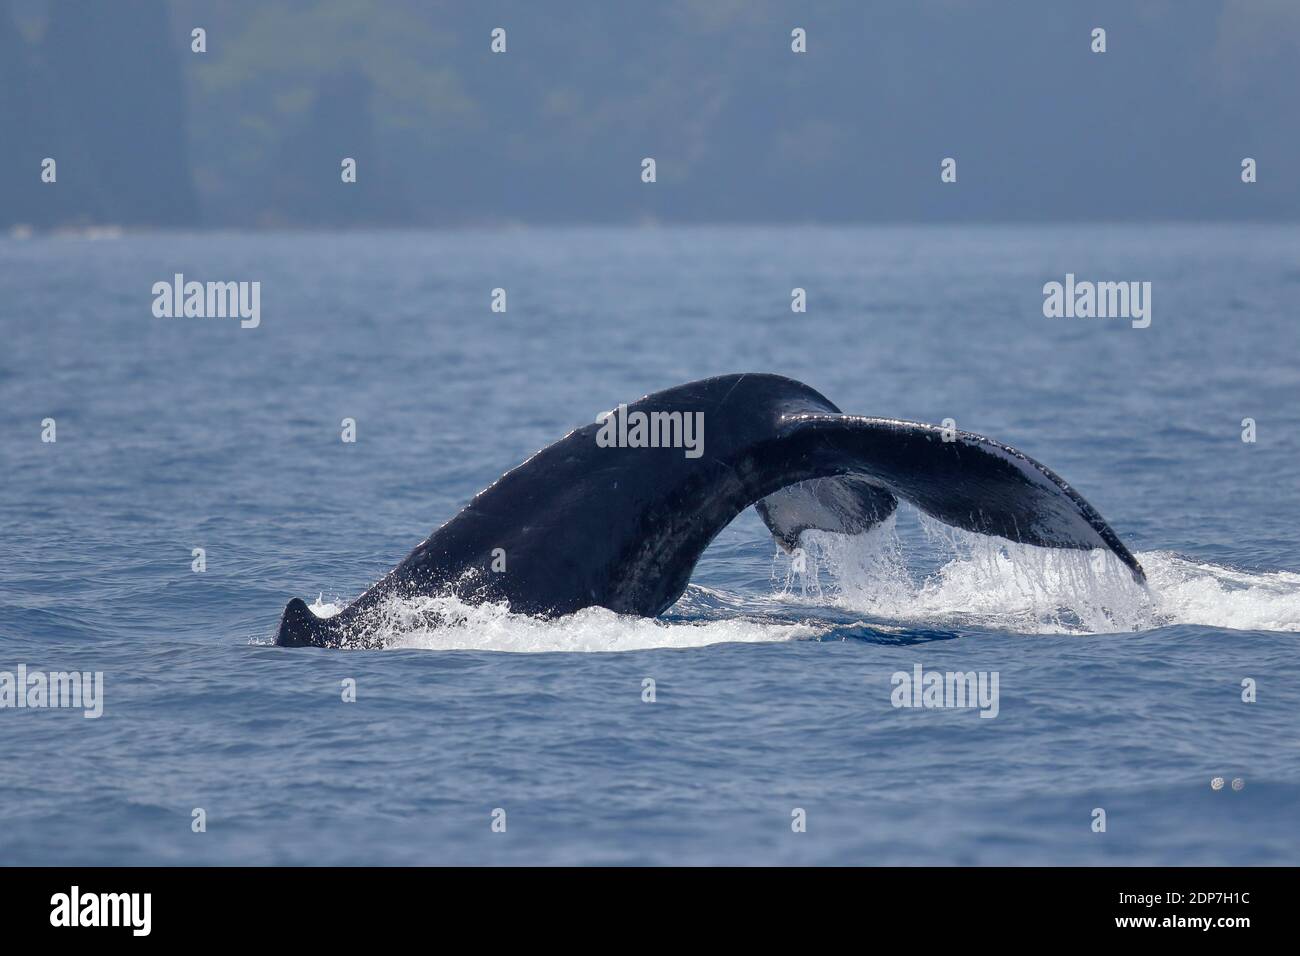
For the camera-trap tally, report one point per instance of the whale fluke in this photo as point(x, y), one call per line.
point(297, 625)
point(847, 505)
point(583, 523)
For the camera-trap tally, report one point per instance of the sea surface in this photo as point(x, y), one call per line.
point(772, 684)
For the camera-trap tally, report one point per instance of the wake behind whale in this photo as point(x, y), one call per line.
point(876, 588)
point(616, 514)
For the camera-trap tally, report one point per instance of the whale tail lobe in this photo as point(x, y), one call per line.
point(853, 471)
point(297, 625)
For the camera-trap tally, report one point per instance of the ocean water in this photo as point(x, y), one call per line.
point(772, 683)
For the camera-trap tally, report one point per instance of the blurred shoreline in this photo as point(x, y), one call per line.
point(193, 113)
point(110, 232)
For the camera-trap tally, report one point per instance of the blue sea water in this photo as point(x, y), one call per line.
point(772, 686)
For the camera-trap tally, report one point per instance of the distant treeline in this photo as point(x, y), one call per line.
point(253, 131)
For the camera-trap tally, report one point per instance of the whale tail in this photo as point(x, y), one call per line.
point(297, 625)
point(586, 522)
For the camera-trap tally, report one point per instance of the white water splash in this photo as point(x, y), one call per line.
point(966, 580)
point(323, 608)
point(990, 582)
point(1196, 592)
point(408, 624)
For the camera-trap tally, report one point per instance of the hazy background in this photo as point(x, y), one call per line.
point(251, 133)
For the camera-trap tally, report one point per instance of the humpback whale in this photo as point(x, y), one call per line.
point(620, 524)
